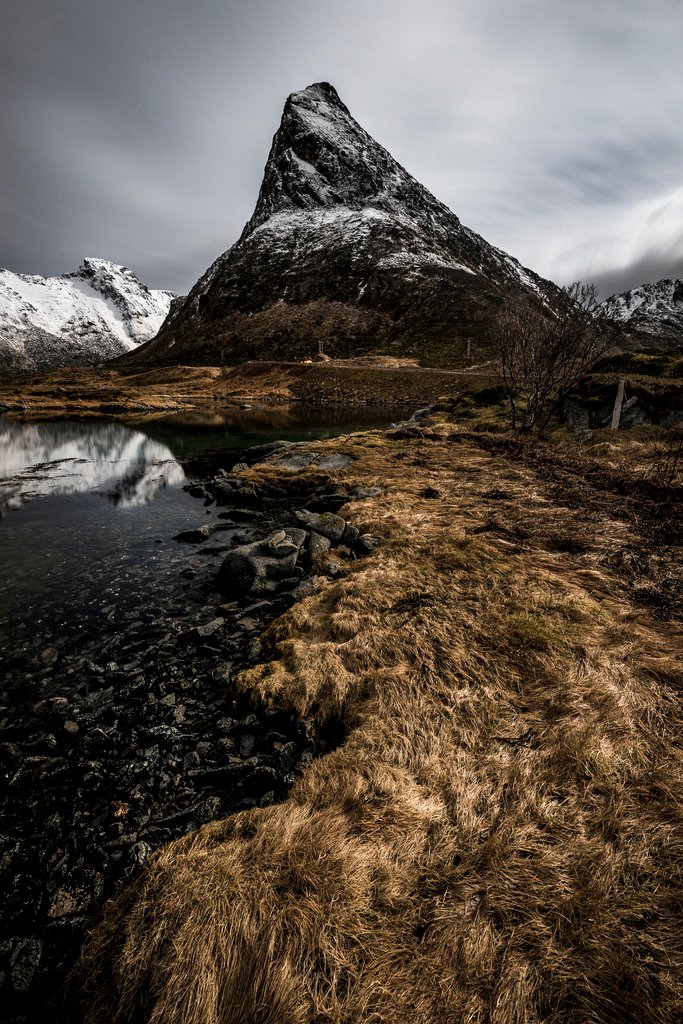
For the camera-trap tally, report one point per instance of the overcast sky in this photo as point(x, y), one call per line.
point(137, 130)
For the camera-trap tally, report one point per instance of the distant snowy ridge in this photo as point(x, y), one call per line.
point(655, 309)
point(98, 312)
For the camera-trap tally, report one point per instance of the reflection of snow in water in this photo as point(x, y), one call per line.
point(38, 459)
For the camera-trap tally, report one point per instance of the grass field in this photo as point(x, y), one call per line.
point(497, 838)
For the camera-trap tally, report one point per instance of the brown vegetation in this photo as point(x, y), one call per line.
point(120, 390)
point(497, 839)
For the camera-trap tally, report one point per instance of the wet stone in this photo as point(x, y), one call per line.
point(24, 962)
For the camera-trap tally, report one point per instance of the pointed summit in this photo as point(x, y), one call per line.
point(322, 157)
point(344, 247)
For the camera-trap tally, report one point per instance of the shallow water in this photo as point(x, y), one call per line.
point(120, 729)
point(88, 510)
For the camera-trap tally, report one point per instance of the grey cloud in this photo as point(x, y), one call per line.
point(138, 131)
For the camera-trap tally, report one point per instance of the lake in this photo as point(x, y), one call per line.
point(120, 729)
point(88, 510)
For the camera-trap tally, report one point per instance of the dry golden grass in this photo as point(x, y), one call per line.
point(498, 838)
point(117, 389)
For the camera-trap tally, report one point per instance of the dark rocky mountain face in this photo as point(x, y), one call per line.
point(344, 248)
point(653, 311)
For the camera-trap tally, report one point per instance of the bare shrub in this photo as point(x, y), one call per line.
point(543, 354)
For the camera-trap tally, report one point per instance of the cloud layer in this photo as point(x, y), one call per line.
point(138, 131)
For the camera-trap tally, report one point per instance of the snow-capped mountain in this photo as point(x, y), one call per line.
point(654, 309)
point(344, 248)
point(98, 312)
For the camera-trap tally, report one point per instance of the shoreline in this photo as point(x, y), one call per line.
point(126, 391)
point(492, 554)
point(116, 754)
point(473, 665)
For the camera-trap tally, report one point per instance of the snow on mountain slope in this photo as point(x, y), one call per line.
point(100, 311)
point(655, 309)
point(344, 248)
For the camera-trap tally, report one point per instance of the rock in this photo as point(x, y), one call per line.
point(248, 624)
point(248, 570)
point(257, 606)
point(223, 492)
point(279, 545)
point(294, 462)
point(227, 725)
point(366, 543)
point(337, 461)
point(305, 588)
point(246, 745)
point(326, 523)
point(239, 467)
point(368, 492)
point(206, 630)
point(257, 452)
point(71, 727)
point(327, 502)
point(350, 535)
point(202, 533)
point(24, 962)
point(242, 515)
point(139, 853)
point(49, 655)
point(318, 545)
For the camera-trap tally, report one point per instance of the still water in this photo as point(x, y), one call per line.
point(88, 510)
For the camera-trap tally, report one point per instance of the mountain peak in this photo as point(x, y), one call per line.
point(321, 157)
point(317, 93)
point(655, 309)
point(99, 311)
point(346, 248)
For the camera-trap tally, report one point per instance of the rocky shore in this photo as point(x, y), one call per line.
point(110, 750)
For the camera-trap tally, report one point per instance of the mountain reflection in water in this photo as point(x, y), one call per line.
point(65, 457)
point(77, 570)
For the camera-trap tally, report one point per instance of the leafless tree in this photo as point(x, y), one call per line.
point(544, 353)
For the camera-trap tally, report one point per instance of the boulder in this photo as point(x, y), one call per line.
point(366, 543)
point(317, 545)
point(325, 523)
point(258, 569)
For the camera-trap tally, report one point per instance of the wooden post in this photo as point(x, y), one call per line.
point(618, 402)
point(469, 347)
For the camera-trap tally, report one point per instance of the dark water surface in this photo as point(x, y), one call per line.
point(88, 510)
point(120, 729)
